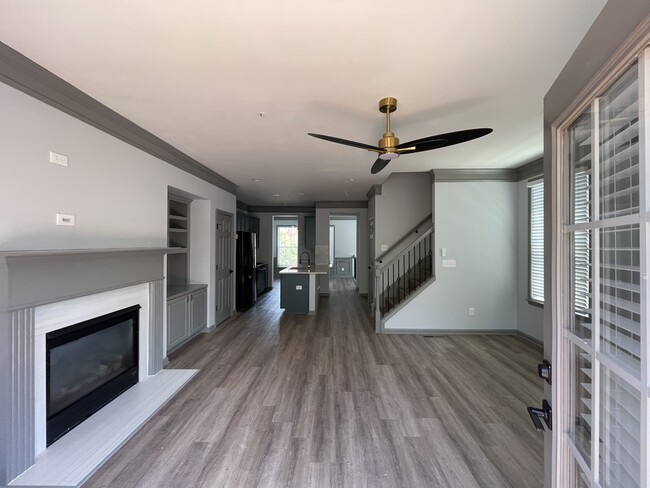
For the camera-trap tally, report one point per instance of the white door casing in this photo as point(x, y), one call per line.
point(599, 269)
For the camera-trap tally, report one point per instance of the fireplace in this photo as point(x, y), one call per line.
point(88, 365)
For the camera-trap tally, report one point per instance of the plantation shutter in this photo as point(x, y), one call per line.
point(536, 271)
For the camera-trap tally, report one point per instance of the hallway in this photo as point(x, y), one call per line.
point(323, 401)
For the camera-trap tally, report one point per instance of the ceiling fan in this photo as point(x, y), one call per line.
point(389, 146)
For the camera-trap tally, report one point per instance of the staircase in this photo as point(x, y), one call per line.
point(403, 271)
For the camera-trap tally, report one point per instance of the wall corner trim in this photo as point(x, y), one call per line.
point(23, 74)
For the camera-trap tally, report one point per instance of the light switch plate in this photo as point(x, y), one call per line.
point(384, 247)
point(65, 220)
point(448, 263)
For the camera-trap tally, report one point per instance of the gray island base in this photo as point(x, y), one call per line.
point(299, 290)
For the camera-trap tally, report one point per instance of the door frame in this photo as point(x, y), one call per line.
point(555, 200)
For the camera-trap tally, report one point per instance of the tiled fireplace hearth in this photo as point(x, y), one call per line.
point(45, 291)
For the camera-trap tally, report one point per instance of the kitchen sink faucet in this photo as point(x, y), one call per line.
point(308, 259)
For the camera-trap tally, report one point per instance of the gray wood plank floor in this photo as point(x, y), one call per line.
point(323, 401)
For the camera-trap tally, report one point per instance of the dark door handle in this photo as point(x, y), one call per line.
point(545, 371)
point(538, 414)
point(230, 271)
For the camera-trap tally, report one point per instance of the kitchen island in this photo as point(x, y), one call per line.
point(299, 290)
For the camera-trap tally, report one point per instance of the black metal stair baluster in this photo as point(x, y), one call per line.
point(383, 290)
point(409, 278)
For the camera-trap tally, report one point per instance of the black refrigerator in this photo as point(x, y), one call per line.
point(246, 288)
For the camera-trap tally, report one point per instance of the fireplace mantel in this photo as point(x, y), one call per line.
point(32, 278)
point(29, 279)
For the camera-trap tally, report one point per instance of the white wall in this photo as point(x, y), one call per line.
point(530, 319)
point(117, 192)
point(345, 238)
point(477, 224)
point(405, 201)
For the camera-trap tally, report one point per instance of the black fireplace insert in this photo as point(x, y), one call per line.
point(88, 365)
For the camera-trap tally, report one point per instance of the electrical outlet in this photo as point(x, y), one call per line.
point(65, 220)
point(472, 312)
point(60, 159)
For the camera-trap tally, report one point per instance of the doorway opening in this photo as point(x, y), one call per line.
point(343, 246)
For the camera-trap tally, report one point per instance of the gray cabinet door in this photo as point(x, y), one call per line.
point(294, 293)
point(198, 310)
point(176, 321)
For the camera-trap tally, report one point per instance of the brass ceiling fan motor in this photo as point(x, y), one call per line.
point(389, 146)
point(388, 143)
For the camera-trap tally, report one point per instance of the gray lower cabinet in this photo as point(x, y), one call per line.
point(294, 293)
point(186, 316)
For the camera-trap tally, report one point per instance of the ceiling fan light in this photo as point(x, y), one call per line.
point(387, 156)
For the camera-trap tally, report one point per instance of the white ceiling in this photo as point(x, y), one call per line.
point(197, 73)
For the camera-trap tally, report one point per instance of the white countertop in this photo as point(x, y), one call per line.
point(317, 269)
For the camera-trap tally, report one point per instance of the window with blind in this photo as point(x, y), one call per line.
point(536, 241)
point(604, 327)
point(287, 245)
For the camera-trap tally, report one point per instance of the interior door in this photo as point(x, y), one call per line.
point(600, 348)
point(224, 267)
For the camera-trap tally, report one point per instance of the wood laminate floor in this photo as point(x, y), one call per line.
point(323, 401)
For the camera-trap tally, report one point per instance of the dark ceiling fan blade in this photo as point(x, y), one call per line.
point(444, 140)
point(345, 142)
point(379, 165)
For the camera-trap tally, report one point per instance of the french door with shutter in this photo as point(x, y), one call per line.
point(601, 317)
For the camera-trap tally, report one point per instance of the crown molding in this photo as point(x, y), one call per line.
point(25, 75)
point(282, 209)
point(453, 175)
point(350, 204)
point(529, 170)
point(375, 190)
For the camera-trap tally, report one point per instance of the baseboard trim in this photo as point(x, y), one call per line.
point(530, 338)
point(440, 332)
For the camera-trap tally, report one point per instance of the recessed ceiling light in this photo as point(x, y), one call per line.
point(256, 179)
point(261, 114)
point(352, 179)
point(301, 194)
point(275, 195)
point(347, 194)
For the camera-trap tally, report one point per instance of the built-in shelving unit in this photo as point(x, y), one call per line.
point(187, 302)
point(178, 229)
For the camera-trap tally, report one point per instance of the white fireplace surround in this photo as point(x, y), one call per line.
point(43, 291)
point(55, 316)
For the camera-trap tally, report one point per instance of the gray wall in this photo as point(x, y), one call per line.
point(322, 244)
point(404, 202)
point(530, 318)
point(345, 238)
point(477, 224)
point(117, 192)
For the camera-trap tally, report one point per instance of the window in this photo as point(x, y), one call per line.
point(287, 245)
point(536, 241)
